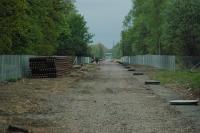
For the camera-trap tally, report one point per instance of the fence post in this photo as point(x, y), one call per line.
point(1, 73)
point(174, 63)
point(2, 68)
point(143, 60)
point(75, 61)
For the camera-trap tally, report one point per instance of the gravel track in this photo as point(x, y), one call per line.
point(113, 101)
point(109, 100)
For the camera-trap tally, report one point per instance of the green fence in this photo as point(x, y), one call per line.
point(14, 67)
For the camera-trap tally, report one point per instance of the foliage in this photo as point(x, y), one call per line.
point(98, 50)
point(42, 27)
point(182, 78)
point(116, 51)
point(162, 27)
point(182, 28)
point(14, 25)
point(76, 42)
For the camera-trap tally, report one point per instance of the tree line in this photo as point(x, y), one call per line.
point(42, 27)
point(98, 50)
point(166, 27)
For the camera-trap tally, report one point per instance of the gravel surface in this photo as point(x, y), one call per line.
point(108, 100)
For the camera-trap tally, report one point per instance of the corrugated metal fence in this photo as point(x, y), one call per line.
point(158, 61)
point(14, 66)
point(17, 66)
point(82, 60)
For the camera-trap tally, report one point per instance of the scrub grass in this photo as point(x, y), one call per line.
point(185, 79)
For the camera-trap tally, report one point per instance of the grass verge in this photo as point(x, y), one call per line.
point(185, 79)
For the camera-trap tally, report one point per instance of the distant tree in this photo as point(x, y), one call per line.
point(117, 51)
point(98, 50)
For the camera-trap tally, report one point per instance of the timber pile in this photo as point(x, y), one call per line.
point(50, 67)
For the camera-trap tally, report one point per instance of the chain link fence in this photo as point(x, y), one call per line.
point(188, 63)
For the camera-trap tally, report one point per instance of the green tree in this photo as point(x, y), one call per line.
point(162, 27)
point(14, 26)
point(143, 27)
point(117, 51)
point(76, 42)
point(134, 37)
point(182, 28)
point(98, 50)
point(42, 27)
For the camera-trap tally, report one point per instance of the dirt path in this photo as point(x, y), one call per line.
point(110, 100)
point(113, 101)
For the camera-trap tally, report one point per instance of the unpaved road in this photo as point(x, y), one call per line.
point(109, 100)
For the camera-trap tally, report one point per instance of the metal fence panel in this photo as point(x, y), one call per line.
point(82, 60)
point(158, 61)
point(14, 66)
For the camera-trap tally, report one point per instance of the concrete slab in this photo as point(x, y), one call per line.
point(77, 66)
point(13, 129)
point(127, 67)
point(152, 82)
point(184, 102)
point(131, 69)
point(138, 73)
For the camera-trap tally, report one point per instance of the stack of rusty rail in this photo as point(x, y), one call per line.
point(50, 67)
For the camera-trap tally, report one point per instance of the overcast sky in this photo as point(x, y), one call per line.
point(104, 18)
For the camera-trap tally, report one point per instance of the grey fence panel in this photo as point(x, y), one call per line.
point(82, 60)
point(14, 66)
point(17, 66)
point(158, 61)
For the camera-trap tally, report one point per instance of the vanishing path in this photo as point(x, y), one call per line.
point(112, 100)
point(109, 100)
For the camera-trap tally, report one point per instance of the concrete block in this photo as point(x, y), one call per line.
point(152, 82)
point(184, 102)
point(138, 73)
